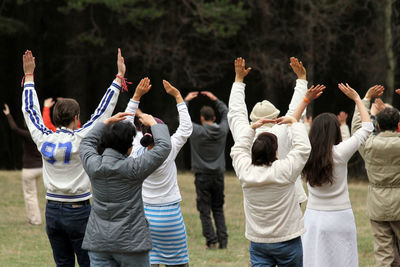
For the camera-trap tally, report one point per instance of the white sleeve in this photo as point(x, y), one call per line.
point(32, 114)
point(348, 147)
point(237, 114)
point(132, 106)
point(103, 110)
point(299, 92)
point(179, 138)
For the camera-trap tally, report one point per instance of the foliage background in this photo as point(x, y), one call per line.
point(192, 43)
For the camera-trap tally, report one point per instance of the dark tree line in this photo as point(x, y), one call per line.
point(192, 43)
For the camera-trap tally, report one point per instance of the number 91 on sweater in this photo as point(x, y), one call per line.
point(48, 151)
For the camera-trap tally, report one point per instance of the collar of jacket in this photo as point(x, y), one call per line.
point(389, 134)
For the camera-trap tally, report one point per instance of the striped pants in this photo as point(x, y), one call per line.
point(168, 234)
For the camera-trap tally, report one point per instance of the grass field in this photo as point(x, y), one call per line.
point(25, 245)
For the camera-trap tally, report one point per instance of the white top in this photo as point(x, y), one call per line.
point(63, 173)
point(283, 133)
point(336, 196)
point(345, 131)
point(161, 187)
point(270, 204)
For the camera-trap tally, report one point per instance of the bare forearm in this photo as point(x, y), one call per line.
point(300, 109)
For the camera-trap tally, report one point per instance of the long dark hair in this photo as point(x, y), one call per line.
point(324, 134)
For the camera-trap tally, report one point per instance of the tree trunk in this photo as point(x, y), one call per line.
point(390, 72)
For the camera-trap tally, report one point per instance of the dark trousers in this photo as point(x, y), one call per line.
point(210, 197)
point(65, 227)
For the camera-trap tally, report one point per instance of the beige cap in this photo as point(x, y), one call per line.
point(264, 110)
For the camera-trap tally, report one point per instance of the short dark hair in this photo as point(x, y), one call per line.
point(263, 151)
point(64, 112)
point(118, 136)
point(208, 113)
point(388, 119)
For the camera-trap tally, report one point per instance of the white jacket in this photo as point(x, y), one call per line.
point(161, 187)
point(270, 204)
point(63, 173)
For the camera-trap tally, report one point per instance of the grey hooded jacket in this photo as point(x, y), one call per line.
point(207, 143)
point(117, 223)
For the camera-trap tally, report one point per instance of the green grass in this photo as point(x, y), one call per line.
point(25, 245)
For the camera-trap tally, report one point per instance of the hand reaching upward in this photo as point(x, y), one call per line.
point(173, 91)
point(49, 102)
point(398, 91)
point(298, 68)
point(261, 122)
point(147, 119)
point(314, 92)
point(210, 95)
point(240, 69)
point(342, 117)
point(374, 91)
point(142, 88)
point(6, 109)
point(349, 92)
point(121, 64)
point(191, 95)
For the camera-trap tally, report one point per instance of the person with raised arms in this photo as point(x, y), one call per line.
point(274, 221)
point(65, 180)
point(161, 195)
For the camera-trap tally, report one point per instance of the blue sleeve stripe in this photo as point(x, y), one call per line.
point(101, 109)
point(31, 111)
point(116, 86)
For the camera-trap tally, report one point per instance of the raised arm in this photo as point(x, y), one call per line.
point(301, 85)
point(373, 92)
point(13, 126)
point(30, 103)
point(222, 110)
point(142, 88)
point(237, 114)
point(185, 128)
point(313, 93)
point(109, 100)
point(48, 103)
point(145, 164)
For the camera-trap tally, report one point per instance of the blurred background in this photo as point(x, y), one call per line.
point(192, 44)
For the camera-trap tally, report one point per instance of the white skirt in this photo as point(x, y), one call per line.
point(330, 239)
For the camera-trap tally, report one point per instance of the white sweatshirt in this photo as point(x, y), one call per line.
point(336, 196)
point(63, 174)
point(270, 204)
point(161, 187)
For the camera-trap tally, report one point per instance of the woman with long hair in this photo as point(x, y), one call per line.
point(160, 191)
point(331, 237)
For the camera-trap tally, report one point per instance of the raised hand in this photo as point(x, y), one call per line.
point(142, 88)
point(374, 91)
point(349, 92)
point(29, 65)
point(377, 106)
point(173, 91)
point(191, 95)
point(118, 117)
point(342, 117)
point(286, 120)
point(121, 64)
point(261, 122)
point(314, 92)
point(147, 119)
point(298, 68)
point(240, 69)
point(210, 95)
point(6, 109)
point(49, 102)
point(398, 91)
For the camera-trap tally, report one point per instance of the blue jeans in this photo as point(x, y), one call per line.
point(65, 227)
point(104, 259)
point(283, 254)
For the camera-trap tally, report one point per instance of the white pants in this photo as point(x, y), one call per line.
point(30, 178)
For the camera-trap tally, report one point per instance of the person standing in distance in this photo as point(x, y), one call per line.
point(207, 145)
